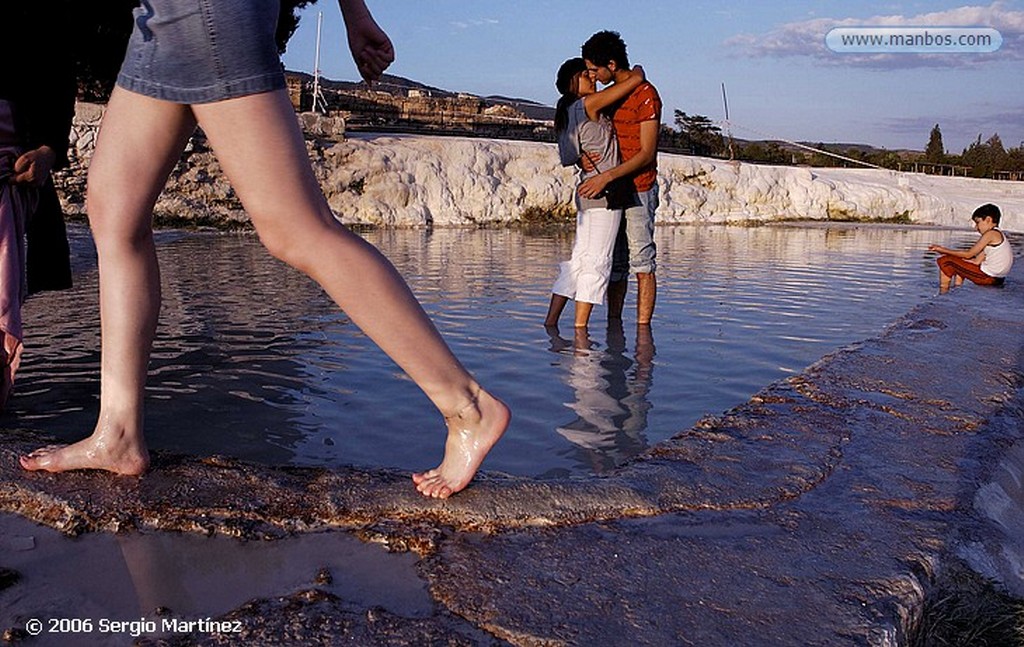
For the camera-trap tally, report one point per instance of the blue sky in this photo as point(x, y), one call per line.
point(781, 80)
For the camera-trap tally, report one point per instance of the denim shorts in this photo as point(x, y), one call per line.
point(200, 51)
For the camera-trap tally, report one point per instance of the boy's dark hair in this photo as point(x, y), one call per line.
point(604, 47)
point(987, 211)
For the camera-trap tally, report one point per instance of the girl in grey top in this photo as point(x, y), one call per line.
point(586, 138)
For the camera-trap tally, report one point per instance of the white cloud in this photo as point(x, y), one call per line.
point(807, 38)
point(469, 24)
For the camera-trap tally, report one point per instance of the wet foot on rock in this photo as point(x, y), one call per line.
point(125, 458)
point(471, 435)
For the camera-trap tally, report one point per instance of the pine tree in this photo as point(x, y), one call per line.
point(698, 133)
point(935, 151)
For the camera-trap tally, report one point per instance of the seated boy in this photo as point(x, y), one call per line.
point(986, 263)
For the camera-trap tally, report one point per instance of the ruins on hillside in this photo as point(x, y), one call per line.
point(418, 110)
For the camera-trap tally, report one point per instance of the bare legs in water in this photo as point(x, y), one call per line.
point(260, 147)
point(558, 302)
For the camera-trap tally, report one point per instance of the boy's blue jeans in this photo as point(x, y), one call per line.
point(635, 251)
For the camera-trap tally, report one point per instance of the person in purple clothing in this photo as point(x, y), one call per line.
point(37, 101)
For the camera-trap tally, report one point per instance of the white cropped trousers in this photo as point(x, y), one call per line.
point(584, 277)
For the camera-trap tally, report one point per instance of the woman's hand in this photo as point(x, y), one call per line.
point(371, 48)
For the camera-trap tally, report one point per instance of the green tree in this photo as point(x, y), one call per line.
point(985, 157)
point(101, 35)
point(699, 134)
point(769, 153)
point(935, 152)
point(1015, 158)
point(668, 138)
point(820, 159)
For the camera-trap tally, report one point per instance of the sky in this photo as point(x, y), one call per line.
point(781, 79)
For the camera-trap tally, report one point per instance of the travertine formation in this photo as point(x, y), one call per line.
point(418, 181)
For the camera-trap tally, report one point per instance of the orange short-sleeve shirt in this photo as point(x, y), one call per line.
point(644, 104)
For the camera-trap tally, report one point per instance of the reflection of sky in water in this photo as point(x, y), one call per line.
point(252, 359)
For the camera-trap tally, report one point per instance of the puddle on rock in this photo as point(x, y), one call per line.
point(148, 575)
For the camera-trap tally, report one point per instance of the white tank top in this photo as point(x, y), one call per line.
point(998, 258)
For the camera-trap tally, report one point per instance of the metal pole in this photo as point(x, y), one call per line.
point(318, 100)
point(728, 127)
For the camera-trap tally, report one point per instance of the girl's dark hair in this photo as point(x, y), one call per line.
point(564, 83)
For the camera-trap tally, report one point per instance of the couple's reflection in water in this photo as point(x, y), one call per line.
point(610, 393)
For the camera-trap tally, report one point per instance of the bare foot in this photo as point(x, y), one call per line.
point(104, 450)
point(471, 434)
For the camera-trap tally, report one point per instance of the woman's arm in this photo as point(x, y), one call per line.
point(595, 103)
point(370, 46)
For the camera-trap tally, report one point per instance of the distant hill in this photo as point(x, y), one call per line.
point(401, 86)
point(396, 85)
point(867, 149)
point(832, 147)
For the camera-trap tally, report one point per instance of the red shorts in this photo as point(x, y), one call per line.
point(955, 266)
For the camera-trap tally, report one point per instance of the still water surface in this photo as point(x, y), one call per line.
point(252, 360)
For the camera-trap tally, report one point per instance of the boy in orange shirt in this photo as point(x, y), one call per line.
point(637, 123)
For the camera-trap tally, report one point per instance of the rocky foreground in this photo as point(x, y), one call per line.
point(820, 512)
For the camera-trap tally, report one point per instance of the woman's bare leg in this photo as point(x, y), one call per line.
point(555, 309)
point(260, 147)
point(582, 315)
point(140, 141)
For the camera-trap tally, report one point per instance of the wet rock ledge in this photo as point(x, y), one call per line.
point(819, 512)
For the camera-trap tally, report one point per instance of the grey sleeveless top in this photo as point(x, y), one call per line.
point(596, 140)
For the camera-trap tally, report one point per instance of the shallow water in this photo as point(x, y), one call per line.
point(252, 360)
point(129, 576)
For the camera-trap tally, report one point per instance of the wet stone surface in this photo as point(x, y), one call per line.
point(816, 513)
point(8, 577)
point(316, 617)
